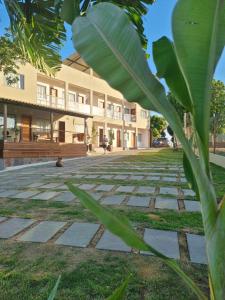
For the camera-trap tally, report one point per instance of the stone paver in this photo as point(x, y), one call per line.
point(106, 176)
point(2, 219)
point(35, 184)
point(104, 187)
point(168, 191)
point(109, 241)
point(183, 180)
point(139, 201)
point(125, 189)
point(192, 206)
point(113, 200)
point(8, 193)
point(153, 178)
point(146, 189)
point(45, 196)
point(62, 187)
point(50, 185)
point(136, 177)
point(120, 177)
point(165, 203)
point(42, 232)
point(196, 246)
point(78, 235)
point(26, 194)
point(65, 197)
point(87, 186)
point(164, 241)
point(13, 226)
point(188, 192)
point(96, 196)
point(169, 179)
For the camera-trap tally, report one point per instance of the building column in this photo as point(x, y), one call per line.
point(51, 125)
point(105, 115)
point(66, 88)
point(5, 123)
point(123, 126)
point(91, 92)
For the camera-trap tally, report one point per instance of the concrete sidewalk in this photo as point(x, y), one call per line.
point(218, 160)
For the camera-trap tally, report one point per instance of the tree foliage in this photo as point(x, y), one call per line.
point(158, 125)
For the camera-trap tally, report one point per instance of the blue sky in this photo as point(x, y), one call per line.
point(157, 24)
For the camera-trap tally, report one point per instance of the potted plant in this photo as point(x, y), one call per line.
point(94, 134)
point(111, 139)
point(17, 133)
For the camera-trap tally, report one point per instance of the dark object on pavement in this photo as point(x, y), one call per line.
point(59, 162)
point(161, 142)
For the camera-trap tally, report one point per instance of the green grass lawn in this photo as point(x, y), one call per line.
point(29, 271)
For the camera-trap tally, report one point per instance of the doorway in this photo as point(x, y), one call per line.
point(26, 128)
point(133, 140)
point(62, 132)
point(118, 138)
point(101, 133)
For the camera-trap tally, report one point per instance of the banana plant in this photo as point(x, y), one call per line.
point(114, 51)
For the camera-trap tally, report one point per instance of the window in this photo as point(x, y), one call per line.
point(42, 91)
point(43, 125)
point(126, 111)
point(15, 80)
point(11, 125)
point(139, 138)
point(144, 114)
point(81, 99)
point(101, 103)
point(72, 98)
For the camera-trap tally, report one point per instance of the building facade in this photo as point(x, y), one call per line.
point(75, 107)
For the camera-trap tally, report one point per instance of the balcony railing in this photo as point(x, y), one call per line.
point(51, 101)
point(114, 115)
point(79, 107)
point(129, 118)
point(98, 111)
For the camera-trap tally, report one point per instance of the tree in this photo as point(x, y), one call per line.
point(217, 110)
point(37, 28)
point(158, 125)
point(187, 64)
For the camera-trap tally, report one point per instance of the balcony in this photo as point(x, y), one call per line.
point(129, 118)
point(98, 111)
point(114, 115)
point(51, 101)
point(79, 107)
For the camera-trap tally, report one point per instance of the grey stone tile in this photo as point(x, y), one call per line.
point(2, 219)
point(87, 186)
point(91, 176)
point(153, 178)
point(196, 246)
point(168, 191)
point(26, 194)
point(78, 235)
point(109, 241)
point(136, 177)
point(138, 201)
point(104, 187)
point(42, 232)
point(113, 200)
point(125, 188)
point(62, 187)
point(8, 193)
point(164, 241)
point(65, 197)
point(45, 196)
point(169, 179)
point(165, 203)
point(78, 176)
point(121, 177)
point(35, 184)
point(146, 189)
point(96, 196)
point(13, 226)
point(183, 180)
point(106, 176)
point(193, 206)
point(188, 192)
point(51, 185)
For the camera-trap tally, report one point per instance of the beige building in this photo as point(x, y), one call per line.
point(74, 107)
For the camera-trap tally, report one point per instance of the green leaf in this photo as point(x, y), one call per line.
point(167, 67)
point(120, 226)
point(199, 37)
point(70, 10)
point(189, 175)
point(54, 290)
point(120, 292)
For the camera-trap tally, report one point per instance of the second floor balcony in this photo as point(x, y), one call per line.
point(51, 101)
point(129, 118)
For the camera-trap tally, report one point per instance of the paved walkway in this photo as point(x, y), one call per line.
point(83, 235)
point(218, 160)
point(164, 189)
